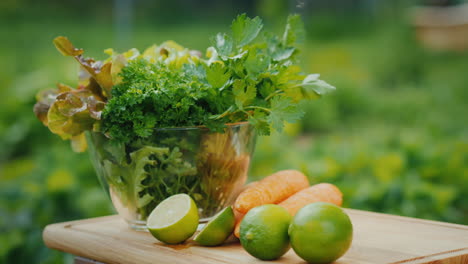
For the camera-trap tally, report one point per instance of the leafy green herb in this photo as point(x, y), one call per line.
point(245, 29)
point(248, 75)
point(244, 78)
point(224, 45)
point(283, 109)
point(294, 32)
point(313, 83)
point(217, 75)
point(243, 93)
point(155, 95)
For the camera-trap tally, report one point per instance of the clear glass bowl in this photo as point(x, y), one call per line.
point(210, 167)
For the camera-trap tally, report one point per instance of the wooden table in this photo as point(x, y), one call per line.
point(378, 238)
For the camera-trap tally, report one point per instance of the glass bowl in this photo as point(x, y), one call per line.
point(210, 167)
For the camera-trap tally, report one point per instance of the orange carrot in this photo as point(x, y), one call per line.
point(272, 189)
point(239, 217)
point(323, 192)
point(248, 186)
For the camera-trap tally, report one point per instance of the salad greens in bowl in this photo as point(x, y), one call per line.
point(171, 120)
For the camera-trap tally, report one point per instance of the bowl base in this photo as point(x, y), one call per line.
point(204, 220)
point(138, 225)
point(141, 225)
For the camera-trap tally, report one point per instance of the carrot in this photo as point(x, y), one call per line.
point(323, 192)
point(239, 217)
point(248, 186)
point(272, 189)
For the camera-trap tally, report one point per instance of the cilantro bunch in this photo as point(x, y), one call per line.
point(247, 75)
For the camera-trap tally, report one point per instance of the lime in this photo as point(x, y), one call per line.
point(264, 231)
point(218, 229)
point(174, 220)
point(320, 232)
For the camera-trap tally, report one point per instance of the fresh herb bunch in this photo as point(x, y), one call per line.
point(247, 75)
point(155, 95)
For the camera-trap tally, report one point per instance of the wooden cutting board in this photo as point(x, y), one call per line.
point(378, 238)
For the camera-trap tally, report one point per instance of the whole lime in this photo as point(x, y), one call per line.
point(320, 232)
point(264, 231)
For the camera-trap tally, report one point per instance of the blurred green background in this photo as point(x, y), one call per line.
point(393, 137)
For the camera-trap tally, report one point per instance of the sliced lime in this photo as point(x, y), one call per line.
point(174, 220)
point(218, 229)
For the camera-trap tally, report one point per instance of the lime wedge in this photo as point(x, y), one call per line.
point(218, 229)
point(174, 220)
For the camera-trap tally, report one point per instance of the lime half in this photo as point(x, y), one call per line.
point(218, 229)
point(174, 220)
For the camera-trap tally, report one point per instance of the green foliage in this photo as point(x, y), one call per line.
point(245, 29)
point(294, 32)
point(179, 89)
point(282, 109)
point(34, 194)
point(217, 75)
point(266, 81)
point(154, 95)
point(166, 86)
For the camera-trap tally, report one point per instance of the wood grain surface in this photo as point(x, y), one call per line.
point(378, 238)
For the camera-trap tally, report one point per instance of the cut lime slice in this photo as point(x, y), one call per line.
point(174, 220)
point(218, 229)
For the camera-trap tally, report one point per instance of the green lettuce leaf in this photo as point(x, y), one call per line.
point(44, 100)
point(78, 143)
point(70, 112)
point(99, 71)
point(66, 47)
point(73, 113)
